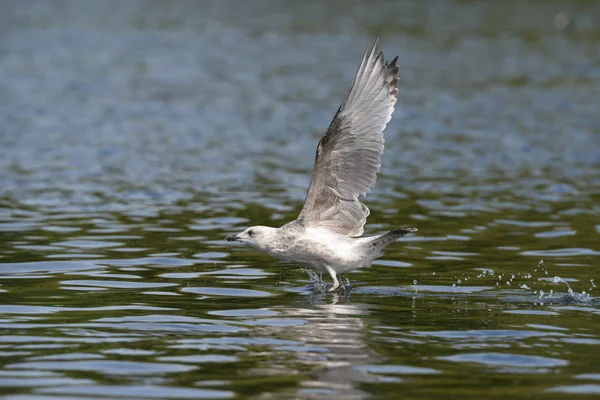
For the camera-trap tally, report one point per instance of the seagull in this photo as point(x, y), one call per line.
point(326, 234)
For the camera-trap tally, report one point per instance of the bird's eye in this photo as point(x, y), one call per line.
point(250, 232)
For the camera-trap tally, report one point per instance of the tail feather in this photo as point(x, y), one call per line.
point(378, 243)
point(394, 235)
point(401, 232)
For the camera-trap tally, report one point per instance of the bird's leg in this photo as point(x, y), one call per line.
point(336, 284)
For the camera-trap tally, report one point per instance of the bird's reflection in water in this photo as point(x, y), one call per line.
point(333, 345)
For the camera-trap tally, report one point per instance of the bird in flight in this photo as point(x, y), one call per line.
point(326, 234)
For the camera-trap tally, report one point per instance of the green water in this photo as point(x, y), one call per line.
point(134, 136)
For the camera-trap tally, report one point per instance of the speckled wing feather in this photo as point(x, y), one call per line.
point(349, 155)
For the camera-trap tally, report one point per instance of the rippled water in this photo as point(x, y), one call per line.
point(135, 135)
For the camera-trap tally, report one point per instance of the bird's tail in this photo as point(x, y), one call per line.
point(394, 235)
point(378, 243)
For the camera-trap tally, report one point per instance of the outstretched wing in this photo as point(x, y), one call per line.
point(349, 155)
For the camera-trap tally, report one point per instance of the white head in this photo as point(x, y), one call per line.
point(258, 237)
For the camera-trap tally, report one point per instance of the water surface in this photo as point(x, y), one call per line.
point(136, 135)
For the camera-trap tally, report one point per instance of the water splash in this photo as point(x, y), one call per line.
point(486, 272)
point(318, 285)
point(532, 280)
point(315, 280)
point(583, 297)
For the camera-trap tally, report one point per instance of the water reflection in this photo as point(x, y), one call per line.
point(332, 344)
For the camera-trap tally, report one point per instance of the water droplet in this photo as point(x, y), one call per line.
point(562, 20)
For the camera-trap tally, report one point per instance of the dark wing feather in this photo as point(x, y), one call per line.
point(349, 155)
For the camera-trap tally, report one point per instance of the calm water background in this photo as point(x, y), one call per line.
point(135, 135)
